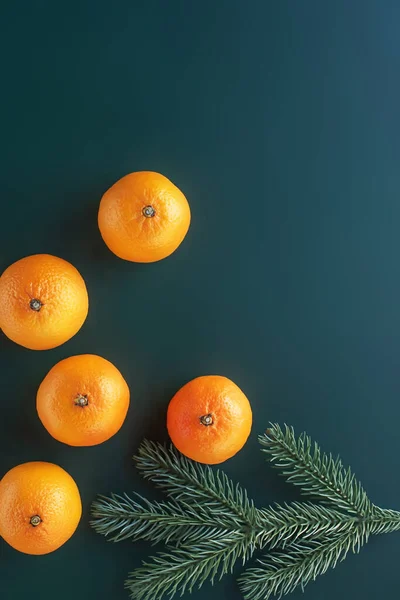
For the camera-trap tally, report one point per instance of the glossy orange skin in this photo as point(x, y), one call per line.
point(62, 292)
point(131, 235)
point(224, 401)
point(94, 378)
point(38, 489)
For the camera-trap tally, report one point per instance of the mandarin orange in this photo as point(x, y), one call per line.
point(40, 507)
point(83, 400)
point(143, 217)
point(43, 301)
point(209, 419)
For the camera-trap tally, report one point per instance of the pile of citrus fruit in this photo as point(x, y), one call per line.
point(83, 400)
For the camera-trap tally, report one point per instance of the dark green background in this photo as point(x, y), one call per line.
point(280, 122)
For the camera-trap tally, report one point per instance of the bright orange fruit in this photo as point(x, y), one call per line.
point(83, 400)
point(209, 419)
point(40, 507)
point(143, 217)
point(43, 301)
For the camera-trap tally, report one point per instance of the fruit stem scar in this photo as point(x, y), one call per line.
point(81, 400)
point(148, 211)
point(35, 520)
point(35, 304)
point(206, 420)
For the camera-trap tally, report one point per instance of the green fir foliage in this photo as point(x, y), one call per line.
point(208, 523)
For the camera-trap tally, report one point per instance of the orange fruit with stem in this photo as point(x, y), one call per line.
point(83, 400)
point(209, 419)
point(43, 301)
point(40, 507)
point(143, 217)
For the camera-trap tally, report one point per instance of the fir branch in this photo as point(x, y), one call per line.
point(318, 474)
point(384, 520)
point(121, 517)
point(281, 573)
point(315, 538)
point(189, 566)
point(284, 525)
point(211, 522)
point(189, 482)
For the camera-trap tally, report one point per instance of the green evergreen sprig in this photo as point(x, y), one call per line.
point(189, 566)
point(280, 573)
point(189, 482)
point(123, 517)
point(209, 523)
point(317, 474)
